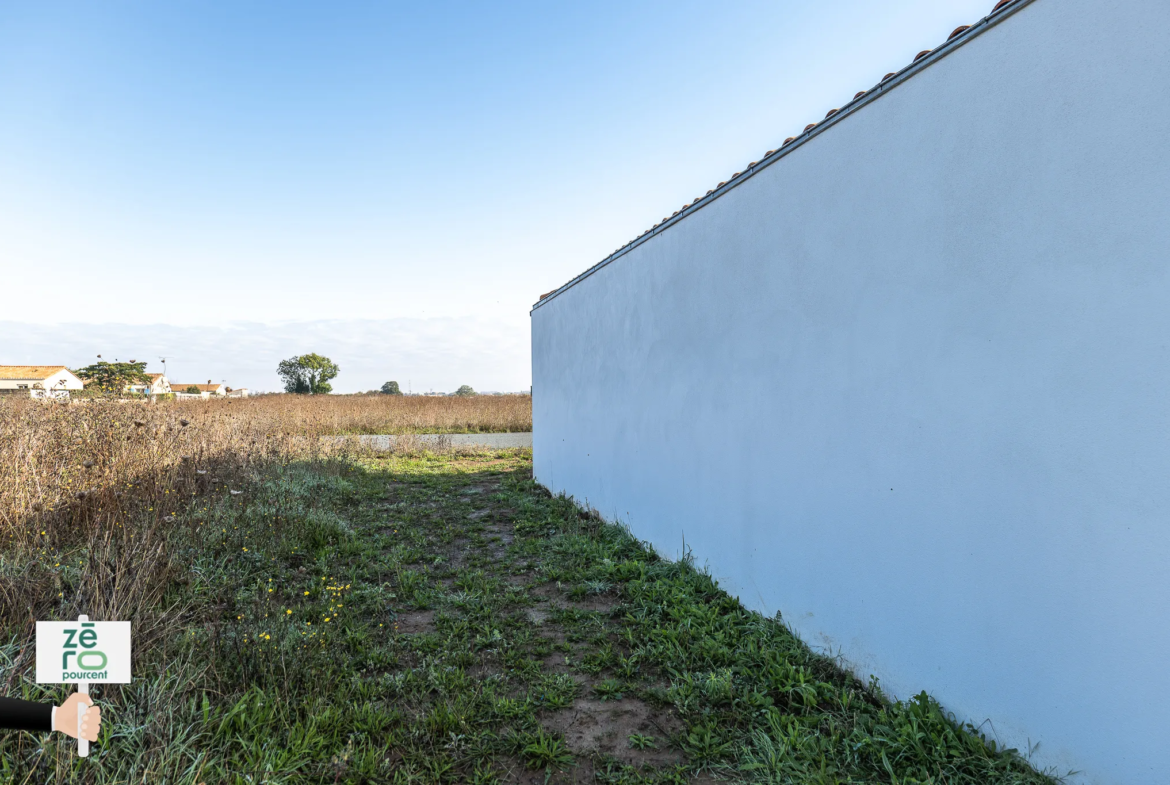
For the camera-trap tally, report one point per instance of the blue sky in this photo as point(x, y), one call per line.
point(313, 173)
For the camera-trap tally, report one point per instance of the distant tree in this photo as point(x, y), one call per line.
point(465, 390)
point(308, 374)
point(193, 390)
point(112, 378)
point(391, 388)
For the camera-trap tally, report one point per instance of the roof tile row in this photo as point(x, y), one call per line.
point(958, 31)
point(23, 372)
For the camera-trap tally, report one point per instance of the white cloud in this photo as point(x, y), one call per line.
point(438, 353)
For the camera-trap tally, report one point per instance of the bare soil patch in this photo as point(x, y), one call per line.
point(413, 622)
point(596, 727)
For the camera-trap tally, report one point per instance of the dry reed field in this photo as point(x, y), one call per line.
point(95, 502)
point(89, 492)
point(143, 511)
point(105, 478)
point(383, 414)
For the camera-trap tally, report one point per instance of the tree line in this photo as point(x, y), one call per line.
point(310, 374)
point(304, 374)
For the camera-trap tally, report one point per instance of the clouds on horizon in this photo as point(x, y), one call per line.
point(429, 354)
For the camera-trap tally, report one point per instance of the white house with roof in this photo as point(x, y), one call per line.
point(158, 385)
point(206, 391)
point(17, 378)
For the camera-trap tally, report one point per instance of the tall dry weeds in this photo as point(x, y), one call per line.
point(87, 492)
point(87, 489)
point(101, 503)
point(381, 414)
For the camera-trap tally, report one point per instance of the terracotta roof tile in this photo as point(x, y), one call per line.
point(204, 387)
point(34, 372)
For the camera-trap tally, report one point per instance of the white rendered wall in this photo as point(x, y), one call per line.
point(910, 386)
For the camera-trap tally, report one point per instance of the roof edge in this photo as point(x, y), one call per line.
point(960, 37)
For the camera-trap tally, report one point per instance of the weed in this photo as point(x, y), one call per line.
point(546, 752)
point(640, 742)
point(610, 689)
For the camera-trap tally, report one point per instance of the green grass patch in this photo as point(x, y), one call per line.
point(443, 619)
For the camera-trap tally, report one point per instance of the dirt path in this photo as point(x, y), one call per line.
point(560, 630)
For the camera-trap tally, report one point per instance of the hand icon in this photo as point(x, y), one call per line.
point(65, 719)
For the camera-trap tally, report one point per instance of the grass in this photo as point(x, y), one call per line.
point(433, 618)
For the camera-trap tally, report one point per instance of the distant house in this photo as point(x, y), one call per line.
point(205, 390)
point(16, 378)
point(158, 385)
point(238, 392)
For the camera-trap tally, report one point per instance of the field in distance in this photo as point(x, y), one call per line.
point(338, 415)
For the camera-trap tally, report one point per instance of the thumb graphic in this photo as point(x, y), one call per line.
point(65, 720)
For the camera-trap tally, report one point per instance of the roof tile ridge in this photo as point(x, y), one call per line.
point(750, 168)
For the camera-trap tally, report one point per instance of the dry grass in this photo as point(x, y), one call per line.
point(101, 479)
point(74, 477)
point(105, 504)
point(382, 414)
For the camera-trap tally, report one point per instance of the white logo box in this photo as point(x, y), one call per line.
point(97, 652)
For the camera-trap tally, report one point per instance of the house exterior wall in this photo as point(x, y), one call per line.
point(160, 386)
point(910, 386)
point(72, 382)
point(206, 391)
